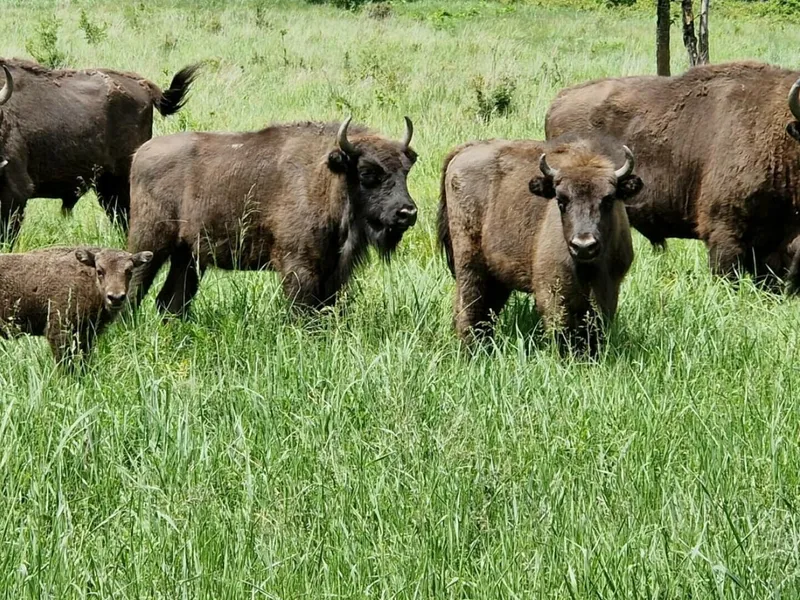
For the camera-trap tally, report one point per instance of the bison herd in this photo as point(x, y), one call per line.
point(712, 154)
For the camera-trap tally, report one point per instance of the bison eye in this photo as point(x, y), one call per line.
point(562, 202)
point(101, 273)
point(607, 201)
point(372, 177)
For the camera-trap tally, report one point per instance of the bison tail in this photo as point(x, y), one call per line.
point(445, 241)
point(171, 100)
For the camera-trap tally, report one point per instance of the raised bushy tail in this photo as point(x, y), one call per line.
point(171, 100)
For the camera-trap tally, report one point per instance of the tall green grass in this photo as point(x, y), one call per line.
point(244, 453)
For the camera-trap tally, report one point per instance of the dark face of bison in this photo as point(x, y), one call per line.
point(586, 195)
point(793, 128)
point(113, 271)
point(5, 96)
point(377, 171)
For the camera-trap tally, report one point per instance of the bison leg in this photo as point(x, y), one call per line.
point(143, 279)
point(69, 347)
point(10, 224)
point(183, 281)
point(68, 203)
point(479, 299)
point(725, 254)
point(114, 195)
point(302, 287)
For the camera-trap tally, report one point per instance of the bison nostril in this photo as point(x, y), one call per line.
point(584, 244)
point(116, 298)
point(407, 215)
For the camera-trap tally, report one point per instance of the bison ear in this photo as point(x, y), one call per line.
point(141, 258)
point(85, 256)
point(543, 187)
point(337, 161)
point(629, 187)
point(793, 129)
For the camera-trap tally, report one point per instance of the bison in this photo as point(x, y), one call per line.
point(64, 131)
point(69, 295)
point(718, 149)
point(303, 199)
point(562, 235)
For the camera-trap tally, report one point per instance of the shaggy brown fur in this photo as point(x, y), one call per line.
point(718, 150)
point(499, 237)
point(286, 198)
point(68, 295)
point(63, 132)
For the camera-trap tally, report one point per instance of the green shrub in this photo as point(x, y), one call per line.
point(94, 33)
point(494, 100)
point(43, 45)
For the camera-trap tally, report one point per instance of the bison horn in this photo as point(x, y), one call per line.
point(409, 133)
point(8, 88)
point(344, 144)
point(547, 169)
point(627, 168)
point(794, 100)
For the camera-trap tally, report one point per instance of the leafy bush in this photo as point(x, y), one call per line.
point(94, 33)
point(379, 10)
point(345, 4)
point(495, 100)
point(43, 45)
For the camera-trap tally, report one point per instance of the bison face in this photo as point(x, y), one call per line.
point(377, 172)
point(586, 196)
point(113, 270)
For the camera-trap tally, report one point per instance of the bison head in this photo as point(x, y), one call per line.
point(377, 172)
point(586, 195)
point(113, 270)
point(5, 95)
point(793, 128)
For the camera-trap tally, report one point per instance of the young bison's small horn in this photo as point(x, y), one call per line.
point(794, 100)
point(8, 88)
point(409, 133)
point(627, 168)
point(341, 138)
point(547, 169)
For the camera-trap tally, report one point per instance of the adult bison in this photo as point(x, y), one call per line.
point(562, 235)
point(718, 150)
point(63, 132)
point(303, 199)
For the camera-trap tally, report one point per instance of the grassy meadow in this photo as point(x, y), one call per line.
point(361, 453)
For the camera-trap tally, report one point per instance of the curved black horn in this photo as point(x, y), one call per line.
point(409, 133)
point(627, 168)
point(547, 169)
point(794, 100)
point(341, 138)
point(8, 88)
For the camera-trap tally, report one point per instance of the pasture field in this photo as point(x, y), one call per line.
point(361, 453)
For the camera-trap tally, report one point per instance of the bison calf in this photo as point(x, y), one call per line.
point(303, 199)
point(68, 295)
point(562, 235)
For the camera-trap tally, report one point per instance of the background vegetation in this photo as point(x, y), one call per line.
point(361, 454)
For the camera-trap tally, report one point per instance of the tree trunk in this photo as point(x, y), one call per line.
point(689, 39)
point(662, 37)
point(702, 58)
